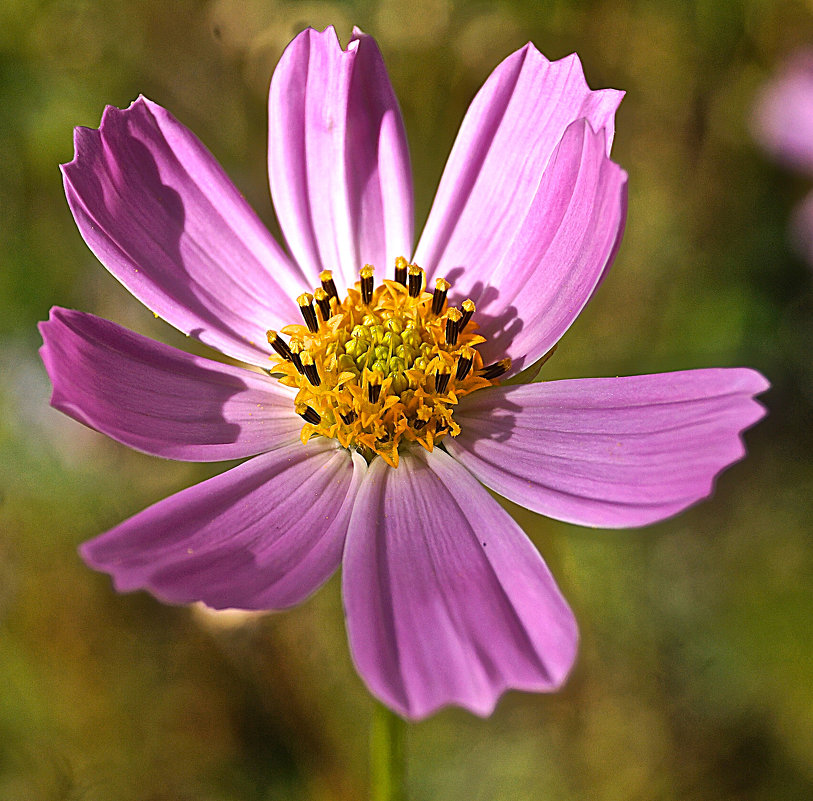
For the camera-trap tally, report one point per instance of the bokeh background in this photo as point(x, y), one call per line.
point(696, 665)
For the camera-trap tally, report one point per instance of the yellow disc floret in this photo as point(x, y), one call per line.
point(385, 365)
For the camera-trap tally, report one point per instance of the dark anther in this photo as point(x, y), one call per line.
point(279, 345)
point(415, 280)
point(326, 277)
point(495, 370)
point(348, 418)
point(367, 283)
point(441, 382)
point(373, 392)
point(453, 317)
point(305, 301)
point(419, 424)
point(308, 414)
point(312, 374)
point(463, 366)
point(468, 310)
point(310, 369)
point(296, 347)
point(322, 301)
point(439, 298)
point(401, 271)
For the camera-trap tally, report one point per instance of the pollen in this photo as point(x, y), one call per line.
point(385, 366)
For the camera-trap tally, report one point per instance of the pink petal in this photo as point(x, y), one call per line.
point(158, 399)
point(337, 156)
point(783, 115)
point(609, 452)
point(262, 535)
point(447, 601)
point(163, 217)
point(559, 255)
point(493, 174)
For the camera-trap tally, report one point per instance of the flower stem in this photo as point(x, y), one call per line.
point(387, 755)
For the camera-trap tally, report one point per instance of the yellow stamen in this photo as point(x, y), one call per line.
point(453, 317)
point(415, 280)
point(367, 283)
point(326, 278)
point(322, 299)
point(468, 311)
point(385, 365)
point(305, 301)
point(439, 298)
point(401, 267)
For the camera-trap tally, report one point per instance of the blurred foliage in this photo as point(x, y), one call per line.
point(694, 679)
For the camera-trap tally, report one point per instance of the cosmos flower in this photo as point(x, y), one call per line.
point(783, 125)
point(377, 409)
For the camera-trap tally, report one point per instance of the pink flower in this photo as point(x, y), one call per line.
point(783, 125)
point(447, 601)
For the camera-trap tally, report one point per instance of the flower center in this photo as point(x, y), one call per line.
point(387, 364)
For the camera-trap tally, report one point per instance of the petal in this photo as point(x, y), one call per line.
point(609, 452)
point(559, 255)
point(447, 601)
point(163, 217)
point(262, 535)
point(783, 115)
point(337, 156)
point(505, 142)
point(158, 399)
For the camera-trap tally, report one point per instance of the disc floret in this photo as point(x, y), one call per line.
point(386, 365)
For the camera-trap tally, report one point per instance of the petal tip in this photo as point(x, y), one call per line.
point(84, 138)
point(760, 383)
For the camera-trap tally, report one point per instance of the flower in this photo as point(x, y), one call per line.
point(783, 125)
point(446, 600)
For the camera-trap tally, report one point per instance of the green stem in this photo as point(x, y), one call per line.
point(387, 755)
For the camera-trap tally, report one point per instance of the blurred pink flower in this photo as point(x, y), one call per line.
point(783, 125)
point(446, 600)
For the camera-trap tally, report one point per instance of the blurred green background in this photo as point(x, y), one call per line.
point(694, 677)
